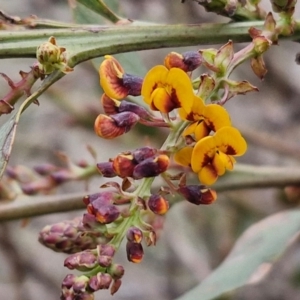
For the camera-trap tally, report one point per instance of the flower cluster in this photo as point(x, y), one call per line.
point(201, 141)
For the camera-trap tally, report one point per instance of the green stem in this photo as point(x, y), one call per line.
point(94, 41)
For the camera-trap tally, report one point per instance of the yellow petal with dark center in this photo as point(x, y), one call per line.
point(190, 129)
point(196, 112)
point(208, 175)
point(182, 89)
point(203, 153)
point(155, 77)
point(161, 100)
point(230, 141)
point(216, 117)
point(201, 130)
point(218, 164)
point(183, 156)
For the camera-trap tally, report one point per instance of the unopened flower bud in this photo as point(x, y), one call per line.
point(74, 287)
point(100, 281)
point(106, 169)
point(82, 261)
point(151, 167)
point(105, 254)
point(104, 213)
point(115, 82)
point(143, 153)
point(134, 235)
point(52, 57)
point(110, 127)
point(66, 237)
point(124, 164)
point(158, 204)
point(116, 271)
point(197, 194)
point(135, 252)
point(187, 61)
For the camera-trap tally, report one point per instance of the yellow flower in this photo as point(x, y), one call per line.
point(205, 118)
point(213, 155)
point(164, 90)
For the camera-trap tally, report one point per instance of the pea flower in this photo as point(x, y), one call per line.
point(164, 90)
point(115, 82)
point(213, 155)
point(205, 118)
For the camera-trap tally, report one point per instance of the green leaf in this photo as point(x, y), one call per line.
point(7, 136)
point(99, 7)
point(251, 258)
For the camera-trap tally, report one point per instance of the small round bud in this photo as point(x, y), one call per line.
point(134, 235)
point(135, 252)
point(116, 271)
point(105, 254)
point(158, 204)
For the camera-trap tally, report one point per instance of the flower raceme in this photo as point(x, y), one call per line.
point(213, 155)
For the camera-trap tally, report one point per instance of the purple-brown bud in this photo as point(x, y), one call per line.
point(197, 194)
point(110, 127)
point(74, 287)
point(143, 153)
point(100, 281)
point(134, 235)
point(135, 108)
point(134, 251)
point(82, 261)
point(66, 237)
point(187, 61)
point(106, 169)
point(158, 204)
point(151, 167)
point(105, 254)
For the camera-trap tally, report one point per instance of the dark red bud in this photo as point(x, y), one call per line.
point(135, 252)
point(158, 204)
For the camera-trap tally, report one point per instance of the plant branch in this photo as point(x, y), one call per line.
point(93, 40)
point(243, 177)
